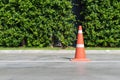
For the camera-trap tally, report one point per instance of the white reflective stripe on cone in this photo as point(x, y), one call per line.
point(79, 31)
point(80, 45)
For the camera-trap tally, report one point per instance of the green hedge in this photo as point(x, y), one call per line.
point(42, 23)
point(36, 23)
point(101, 22)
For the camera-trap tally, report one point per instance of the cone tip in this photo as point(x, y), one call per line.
point(80, 27)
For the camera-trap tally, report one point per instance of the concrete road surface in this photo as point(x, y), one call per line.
point(60, 71)
point(57, 66)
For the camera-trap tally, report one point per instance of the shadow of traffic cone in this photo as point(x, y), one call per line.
point(80, 51)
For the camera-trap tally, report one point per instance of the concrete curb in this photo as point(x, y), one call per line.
point(35, 51)
point(57, 51)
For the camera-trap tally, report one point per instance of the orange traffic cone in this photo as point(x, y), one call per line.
point(80, 51)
